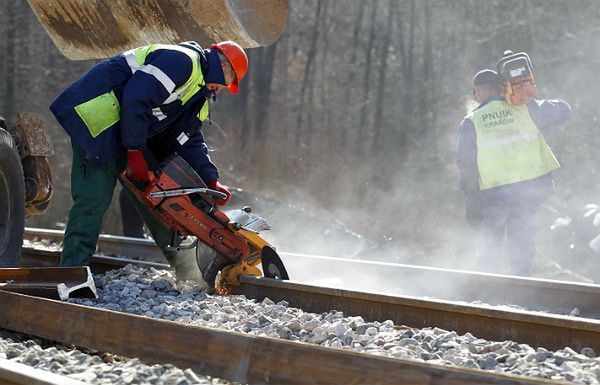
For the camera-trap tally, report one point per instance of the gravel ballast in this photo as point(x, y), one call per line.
point(154, 293)
point(93, 367)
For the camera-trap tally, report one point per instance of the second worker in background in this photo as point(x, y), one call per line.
point(506, 169)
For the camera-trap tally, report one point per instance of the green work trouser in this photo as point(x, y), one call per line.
point(92, 190)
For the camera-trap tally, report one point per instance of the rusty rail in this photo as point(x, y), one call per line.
point(546, 330)
point(233, 356)
point(549, 331)
point(14, 373)
point(406, 280)
point(537, 294)
point(99, 264)
point(132, 248)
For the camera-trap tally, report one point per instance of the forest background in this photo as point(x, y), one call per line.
point(347, 126)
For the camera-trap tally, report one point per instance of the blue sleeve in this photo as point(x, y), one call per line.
point(466, 157)
point(550, 112)
point(195, 152)
point(148, 88)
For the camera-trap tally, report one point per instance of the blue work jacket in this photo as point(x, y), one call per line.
point(148, 107)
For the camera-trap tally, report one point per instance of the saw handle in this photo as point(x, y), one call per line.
point(187, 191)
point(153, 178)
point(216, 194)
point(139, 185)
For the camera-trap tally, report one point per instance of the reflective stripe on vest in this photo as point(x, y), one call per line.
point(103, 111)
point(137, 57)
point(510, 147)
point(510, 139)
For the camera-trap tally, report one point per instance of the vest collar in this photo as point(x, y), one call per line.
point(193, 46)
point(490, 99)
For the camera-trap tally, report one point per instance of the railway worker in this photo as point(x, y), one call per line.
point(131, 112)
point(506, 171)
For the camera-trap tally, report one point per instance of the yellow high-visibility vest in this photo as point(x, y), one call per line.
point(510, 147)
point(103, 111)
point(137, 57)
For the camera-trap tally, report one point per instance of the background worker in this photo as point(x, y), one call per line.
point(132, 112)
point(506, 167)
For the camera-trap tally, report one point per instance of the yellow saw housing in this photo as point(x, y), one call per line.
point(230, 274)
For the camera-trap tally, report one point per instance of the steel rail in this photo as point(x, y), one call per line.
point(133, 248)
point(14, 373)
point(113, 252)
point(233, 356)
point(397, 279)
point(536, 329)
point(99, 264)
point(537, 294)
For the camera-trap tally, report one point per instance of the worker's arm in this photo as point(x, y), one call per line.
point(184, 137)
point(549, 112)
point(148, 88)
point(466, 158)
point(195, 152)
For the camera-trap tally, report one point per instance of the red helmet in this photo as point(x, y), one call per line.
point(238, 60)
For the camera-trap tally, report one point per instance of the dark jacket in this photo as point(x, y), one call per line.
point(147, 115)
point(545, 114)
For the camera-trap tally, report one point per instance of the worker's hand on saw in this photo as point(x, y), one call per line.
point(137, 168)
point(214, 184)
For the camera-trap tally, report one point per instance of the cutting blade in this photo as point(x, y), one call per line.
point(272, 265)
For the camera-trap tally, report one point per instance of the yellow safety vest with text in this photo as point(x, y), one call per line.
point(510, 147)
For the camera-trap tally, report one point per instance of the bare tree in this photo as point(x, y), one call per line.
point(386, 43)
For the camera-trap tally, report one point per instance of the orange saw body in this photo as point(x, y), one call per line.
point(179, 199)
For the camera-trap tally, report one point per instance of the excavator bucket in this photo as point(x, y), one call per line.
point(92, 29)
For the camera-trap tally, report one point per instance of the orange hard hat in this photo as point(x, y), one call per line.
point(238, 60)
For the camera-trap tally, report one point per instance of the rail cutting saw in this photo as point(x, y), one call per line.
point(179, 199)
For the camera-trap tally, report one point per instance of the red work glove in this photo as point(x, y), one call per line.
point(214, 184)
point(137, 168)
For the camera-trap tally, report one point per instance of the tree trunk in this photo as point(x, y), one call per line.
point(301, 136)
point(366, 88)
point(386, 42)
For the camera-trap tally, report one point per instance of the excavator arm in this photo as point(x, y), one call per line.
point(91, 29)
